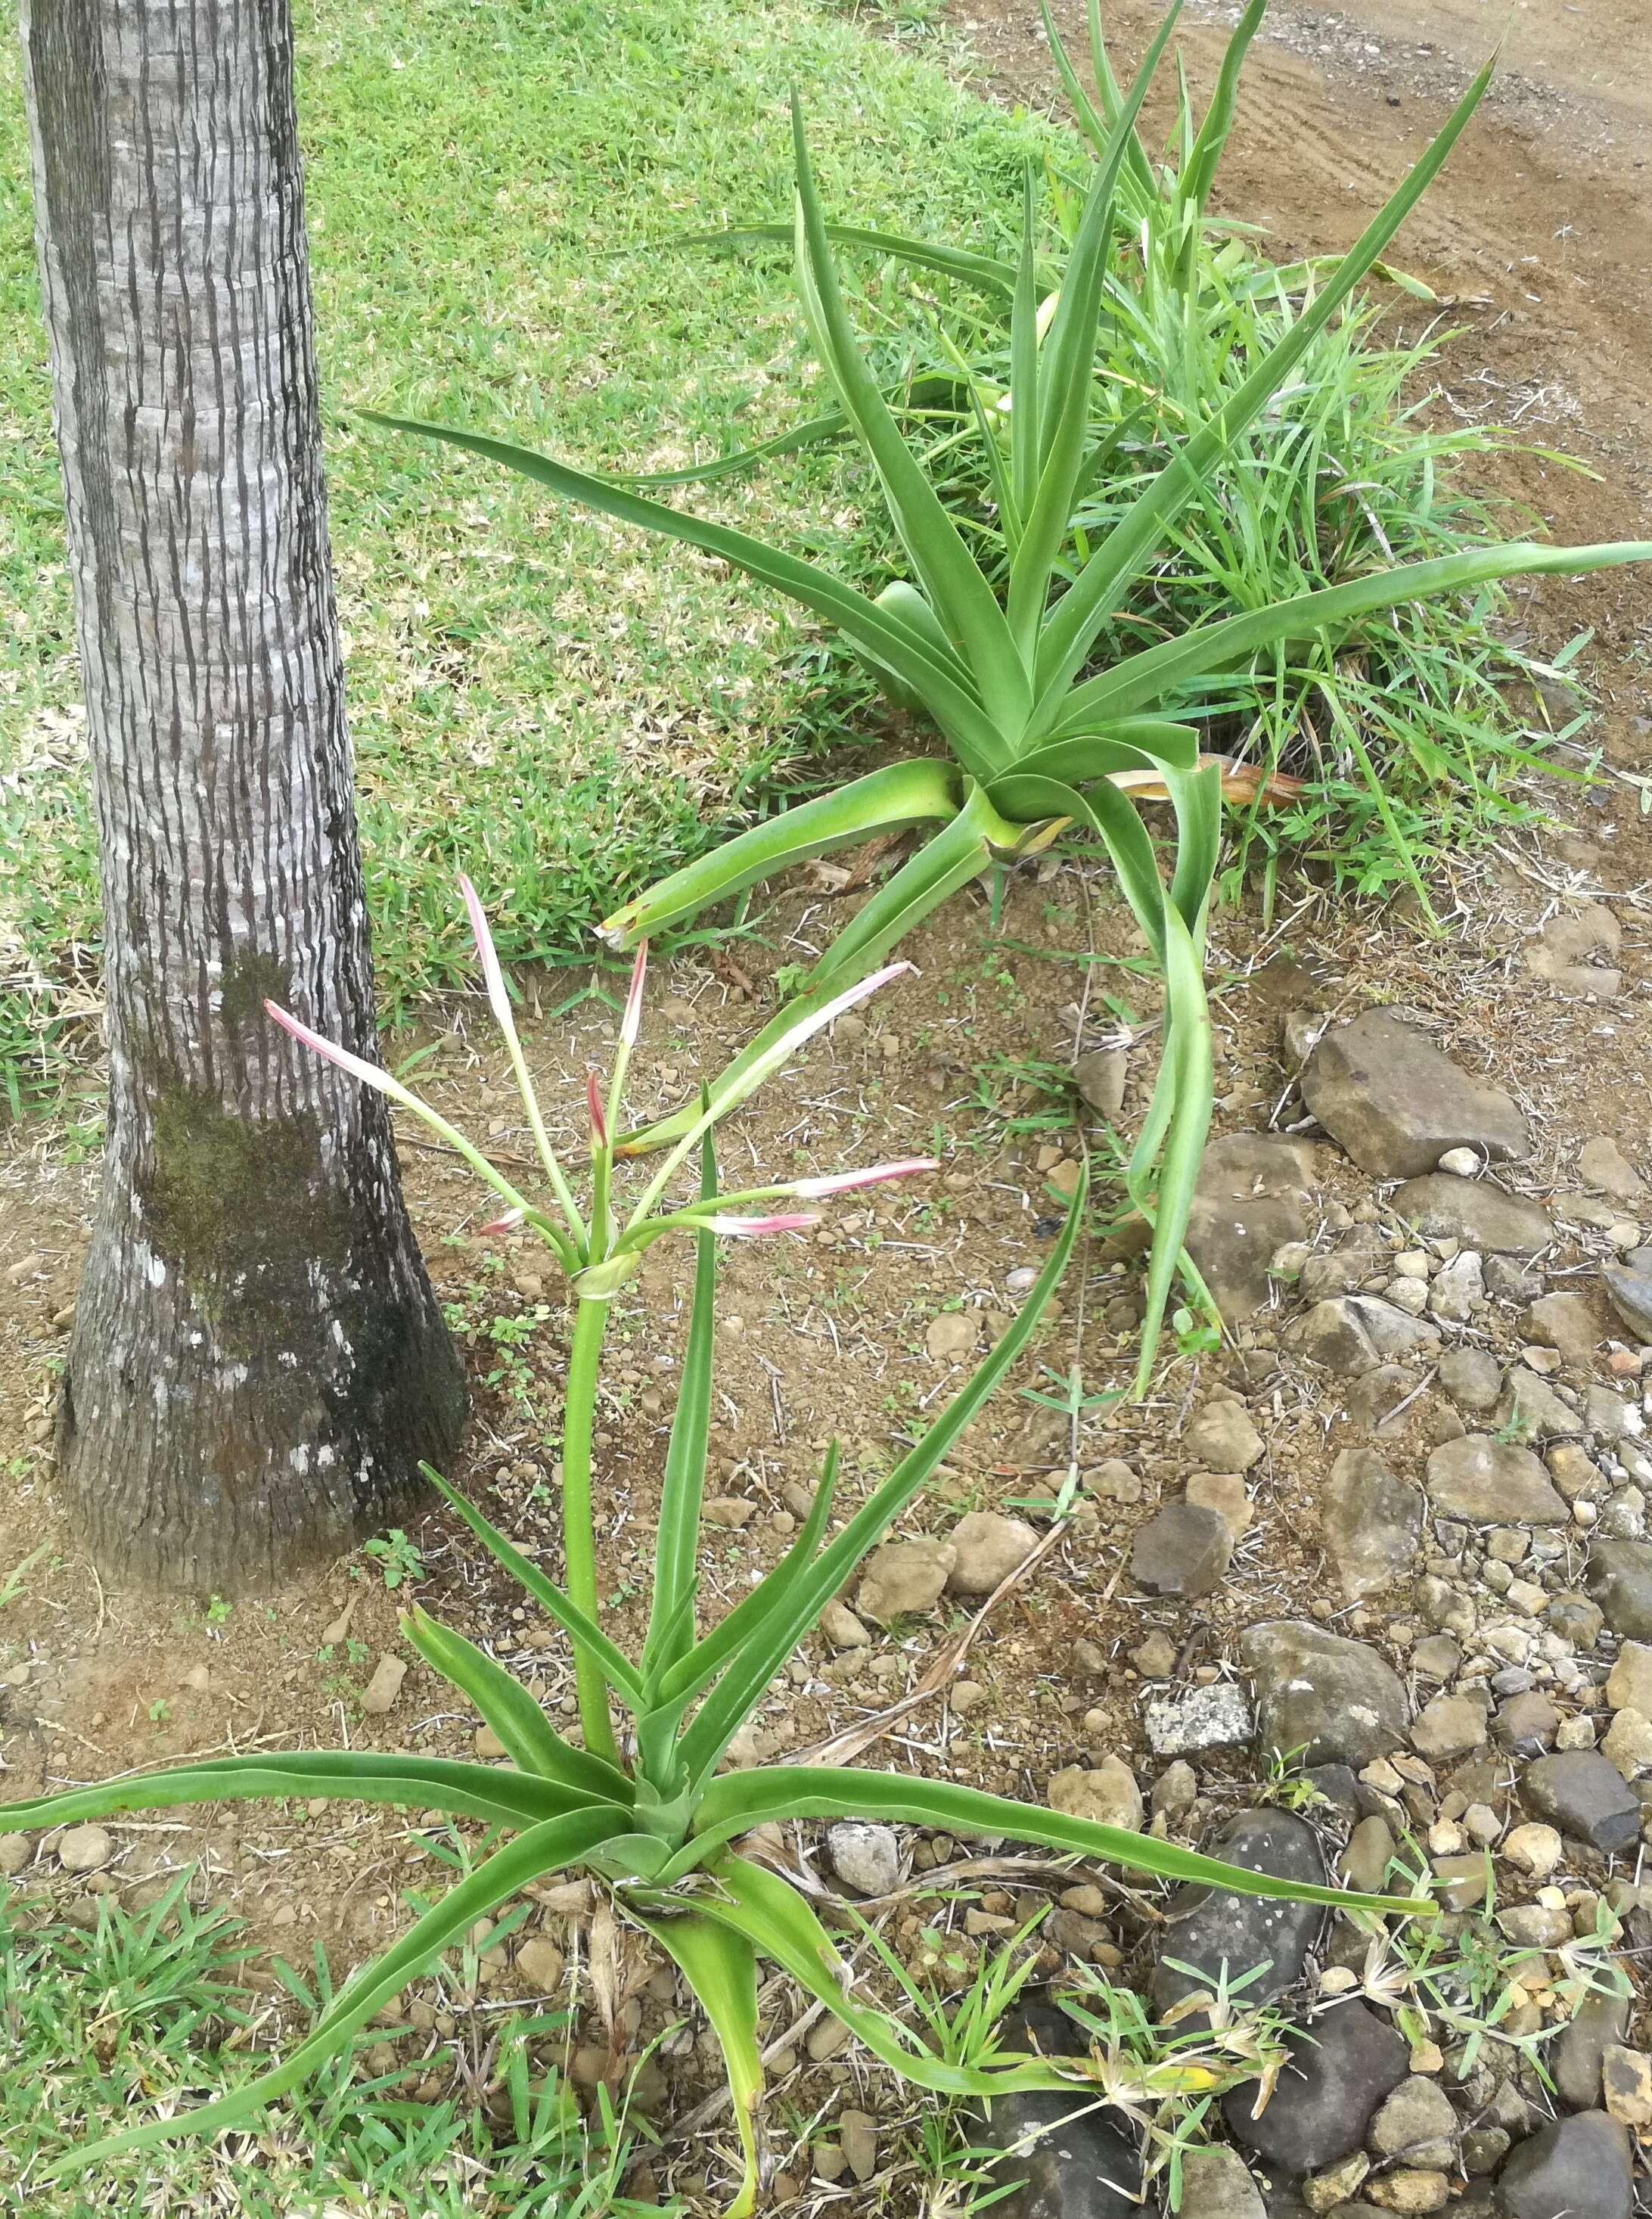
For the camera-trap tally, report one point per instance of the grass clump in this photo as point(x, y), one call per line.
point(156, 2003)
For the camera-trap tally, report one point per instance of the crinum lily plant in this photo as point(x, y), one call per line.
point(648, 1808)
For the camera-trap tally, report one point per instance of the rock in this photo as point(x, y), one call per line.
point(1608, 1415)
point(540, 1966)
point(1462, 1163)
point(864, 1857)
point(1417, 2125)
point(1070, 2163)
point(841, 1629)
point(1155, 1658)
point(1484, 1482)
point(14, 1854)
point(1602, 1165)
point(1534, 1849)
point(1396, 1104)
point(1583, 1793)
point(1216, 1717)
point(1209, 1928)
point(1361, 1255)
point(904, 1575)
point(1335, 1701)
point(1183, 1550)
point(1458, 1292)
point(1509, 1280)
point(1626, 2080)
point(1114, 1482)
point(1531, 1410)
point(1331, 2085)
point(1475, 1212)
point(84, 1850)
point(1629, 1290)
point(1225, 1493)
point(1576, 2168)
point(1222, 1438)
point(952, 1334)
point(988, 1548)
point(1254, 1195)
point(857, 2136)
point(1574, 1617)
point(1627, 1744)
point(1217, 2184)
point(1629, 1684)
point(1472, 1377)
point(1372, 1520)
point(1351, 1333)
point(1410, 2193)
point(1619, 1579)
point(1562, 952)
point(1331, 2191)
point(1526, 1723)
point(1106, 1793)
point(1099, 1075)
point(1450, 1726)
point(1365, 1863)
point(379, 1695)
point(1565, 1322)
point(488, 1746)
point(1578, 2058)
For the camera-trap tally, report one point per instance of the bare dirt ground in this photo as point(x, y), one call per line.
point(1540, 234)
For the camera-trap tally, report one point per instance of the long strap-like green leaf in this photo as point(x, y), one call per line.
point(1082, 610)
point(753, 1667)
point(498, 1798)
point(720, 1968)
point(740, 1800)
point(543, 1848)
point(946, 687)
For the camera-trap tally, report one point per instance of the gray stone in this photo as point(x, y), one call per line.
point(1372, 1520)
point(1384, 1403)
point(1183, 1550)
point(1450, 1726)
point(1106, 1793)
point(1576, 2168)
point(1532, 1411)
point(1209, 1928)
point(1585, 1796)
point(1360, 1255)
point(1475, 1212)
point(1629, 1290)
point(1396, 1104)
point(1619, 1579)
point(1222, 1438)
point(379, 1695)
point(1472, 1377)
point(1458, 1292)
point(1216, 1717)
point(1509, 1280)
point(1577, 1620)
point(84, 1850)
point(1608, 1415)
point(1069, 2162)
point(1099, 1075)
point(1417, 2124)
point(1566, 1322)
point(1351, 1333)
point(16, 1852)
point(864, 1857)
point(1216, 2184)
point(1335, 1701)
point(1484, 1482)
point(1526, 1723)
point(1598, 2024)
point(1602, 1165)
point(1254, 1194)
point(1332, 2085)
point(989, 1547)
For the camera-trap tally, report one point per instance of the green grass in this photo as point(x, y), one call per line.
point(149, 2003)
point(569, 710)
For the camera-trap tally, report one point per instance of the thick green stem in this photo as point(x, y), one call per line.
point(579, 1539)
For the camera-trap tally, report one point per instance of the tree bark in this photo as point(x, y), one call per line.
point(257, 1360)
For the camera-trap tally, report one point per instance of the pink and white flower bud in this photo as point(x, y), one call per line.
point(507, 1223)
point(632, 1023)
point(811, 1189)
point(749, 1229)
point(593, 1101)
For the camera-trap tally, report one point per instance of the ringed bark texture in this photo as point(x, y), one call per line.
point(257, 1360)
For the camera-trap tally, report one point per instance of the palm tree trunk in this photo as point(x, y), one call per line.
point(257, 1360)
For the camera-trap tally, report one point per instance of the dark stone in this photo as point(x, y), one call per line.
point(1083, 2164)
point(1184, 1549)
point(1585, 1795)
point(1476, 1213)
point(1597, 2025)
point(1210, 1927)
point(1526, 1723)
point(1620, 1580)
point(1337, 1701)
point(1630, 1292)
point(1328, 2094)
point(1577, 2168)
point(1340, 1785)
